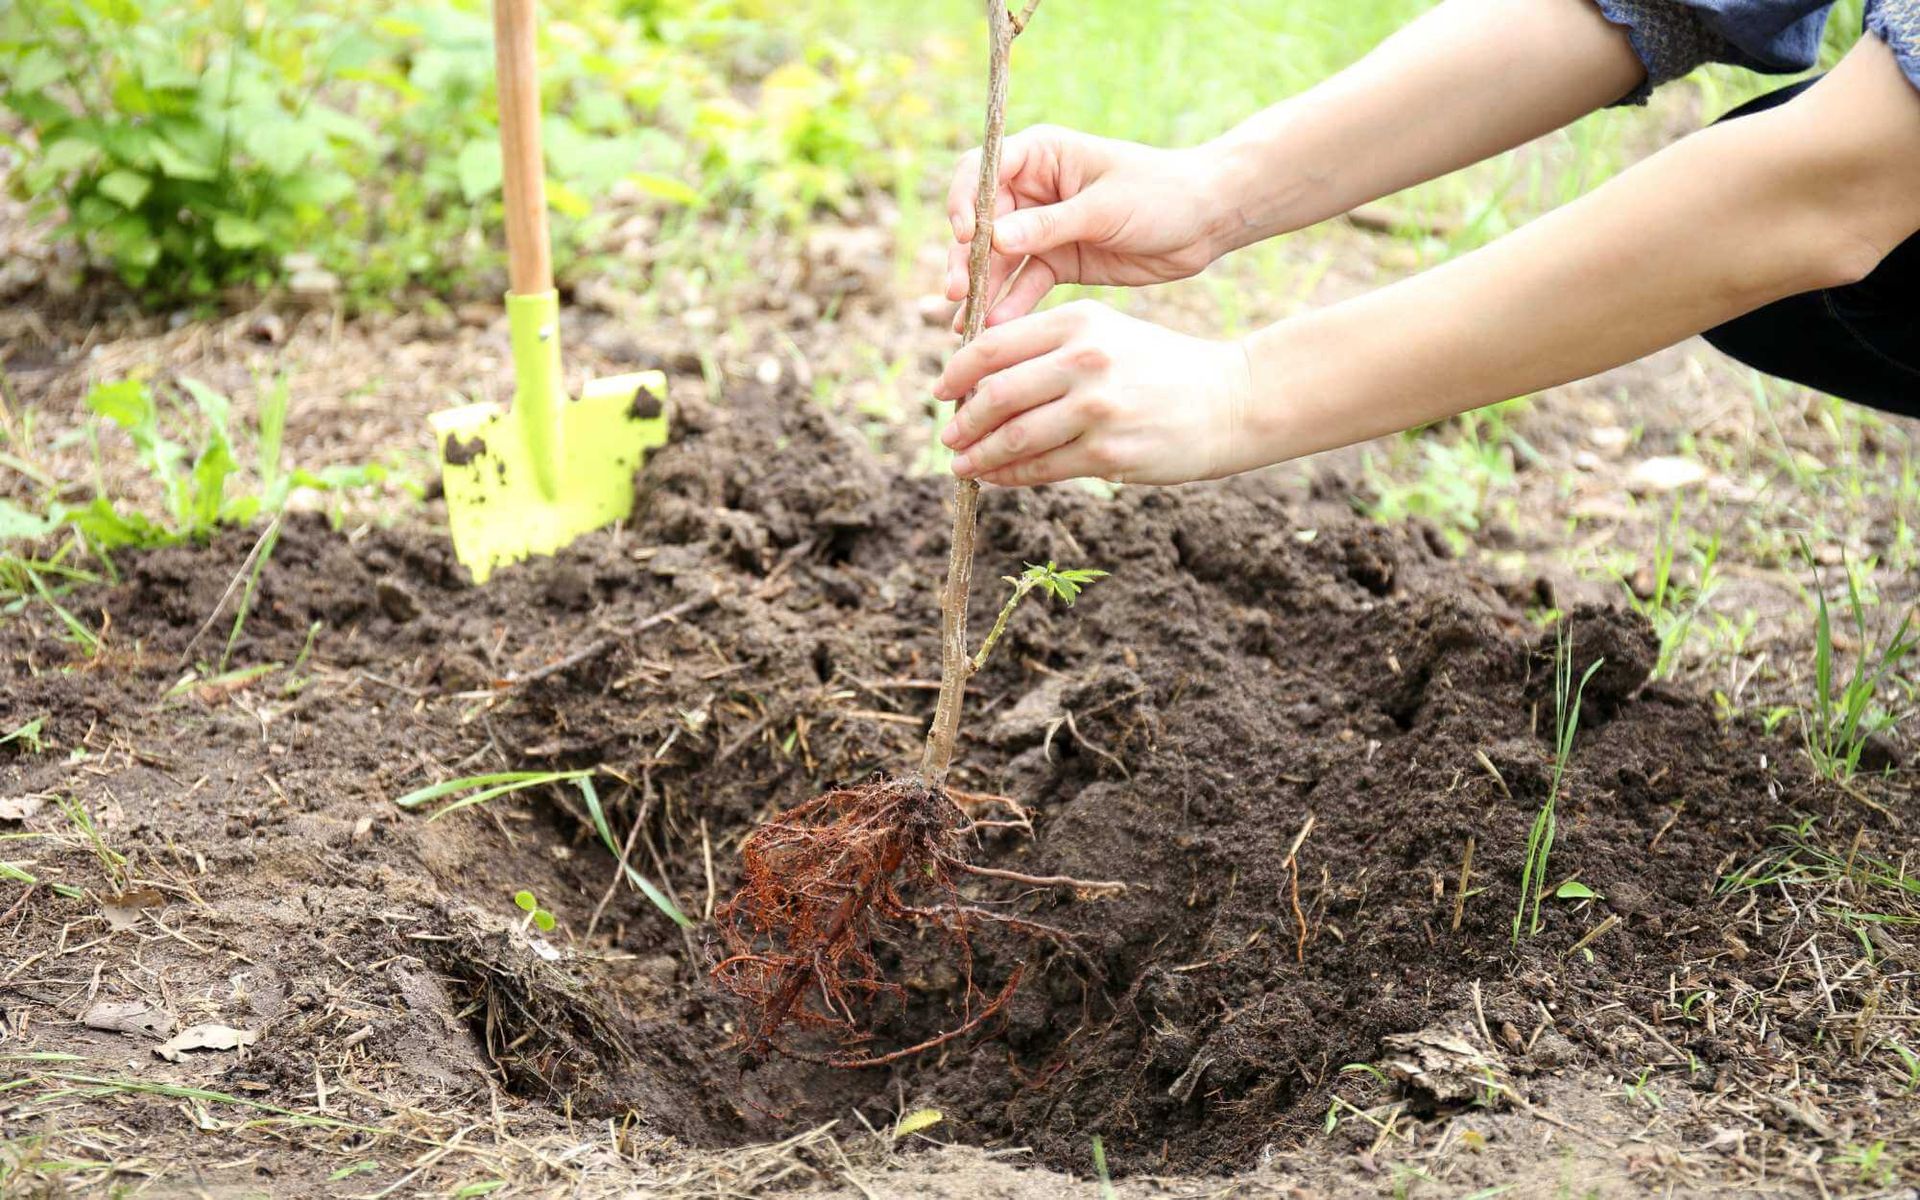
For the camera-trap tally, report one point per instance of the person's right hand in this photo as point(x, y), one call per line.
point(1084, 209)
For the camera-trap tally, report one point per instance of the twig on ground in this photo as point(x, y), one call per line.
point(1292, 863)
point(1460, 892)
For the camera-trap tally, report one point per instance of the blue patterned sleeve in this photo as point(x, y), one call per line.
point(1672, 37)
point(1897, 23)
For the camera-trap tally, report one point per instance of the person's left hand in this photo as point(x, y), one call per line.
point(1082, 390)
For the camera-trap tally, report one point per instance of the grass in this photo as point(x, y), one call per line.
point(481, 788)
point(1839, 724)
point(1671, 606)
point(1100, 1169)
point(1446, 473)
point(1566, 723)
point(478, 789)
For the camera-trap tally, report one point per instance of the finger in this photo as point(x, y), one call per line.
point(998, 349)
point(1029, 287)
point(1032, 434)
point(956, 272)
point(1068, 461)
point(1046, 227)
point(1004, 396)
point(966, 181)
point(965, 187)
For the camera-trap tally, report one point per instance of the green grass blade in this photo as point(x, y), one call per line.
point(660, 899)
point(483, 788)
point(1100, 1170)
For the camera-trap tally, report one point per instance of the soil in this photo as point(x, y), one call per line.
point(1280, 725)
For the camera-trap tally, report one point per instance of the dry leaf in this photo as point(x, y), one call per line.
point(19, 808)
point(128, 1016)
point(1446, 1067)
point(205, 1037)
point(123, 911)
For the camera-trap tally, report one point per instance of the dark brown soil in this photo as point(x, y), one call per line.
point(1249, 670)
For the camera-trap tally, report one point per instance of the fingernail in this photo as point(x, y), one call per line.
point(962, 465)
point(950, 436)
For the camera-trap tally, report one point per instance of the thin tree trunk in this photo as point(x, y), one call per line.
point(955, 664)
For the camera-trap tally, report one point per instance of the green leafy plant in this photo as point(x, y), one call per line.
point(1566, 723)
point(1910, 1062)
point(200, 491)
point(539, 918)
point(184, 143)
point(1838, 726)
point(1064, 585)
point(189, 145)
point(1870, 1162)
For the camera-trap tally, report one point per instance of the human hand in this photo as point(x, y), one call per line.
point(1082, 209)
point(1082, 390)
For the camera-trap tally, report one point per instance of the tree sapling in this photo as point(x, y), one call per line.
point(826, 879)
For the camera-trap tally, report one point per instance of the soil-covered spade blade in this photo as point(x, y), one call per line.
point(531, 479)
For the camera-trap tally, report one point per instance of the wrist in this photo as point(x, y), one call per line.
point(1235, 447)
point(1291, 407)
point(1260, 185)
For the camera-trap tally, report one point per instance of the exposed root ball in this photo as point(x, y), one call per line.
point(827, 880)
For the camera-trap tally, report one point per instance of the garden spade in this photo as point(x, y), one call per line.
point(530, 479)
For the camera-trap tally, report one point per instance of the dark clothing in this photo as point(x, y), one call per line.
point(1859, 342)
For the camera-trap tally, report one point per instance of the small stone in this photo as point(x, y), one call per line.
point(314, 284)
point(1665, 473)
point(267, 327)
point(1608, 439)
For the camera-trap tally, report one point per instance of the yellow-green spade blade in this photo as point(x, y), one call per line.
point(531, 479)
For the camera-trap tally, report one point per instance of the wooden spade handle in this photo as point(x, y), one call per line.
point(523, 179)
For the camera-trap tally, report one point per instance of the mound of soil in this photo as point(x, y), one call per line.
point(1282, 727)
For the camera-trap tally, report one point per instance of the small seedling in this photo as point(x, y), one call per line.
point(1870, 1161)
point(27, 735)
point(1566, 722)
point(1911, 1061)
point(481, 788)
point(537, 917)
point(1837, 730)
point(1100, 1170)
point(1642, 1092)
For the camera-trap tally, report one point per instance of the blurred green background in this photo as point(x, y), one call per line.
point(189, 146)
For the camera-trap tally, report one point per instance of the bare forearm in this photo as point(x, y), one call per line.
point(1806, 196)
point(1467, 80)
